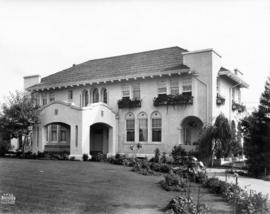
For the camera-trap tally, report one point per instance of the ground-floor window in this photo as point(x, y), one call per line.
point(57, 132)
point(143, 127)
point(156, 126)
point(187, 136)
point(130, 127)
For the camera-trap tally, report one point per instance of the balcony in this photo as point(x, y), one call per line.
point(220, 100)
point(238, 107)
point(126, 102)
point(169, 99)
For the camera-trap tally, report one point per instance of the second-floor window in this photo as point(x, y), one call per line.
point(85, 98)
point(136, 91)
point(125, 91)
point(174, 85)
point(95, 95)
point(52, 97)
point(187, 86)
point(70, 94)
point(162, 87)
point(44, 99)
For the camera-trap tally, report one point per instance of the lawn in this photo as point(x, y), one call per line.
point(46, 186)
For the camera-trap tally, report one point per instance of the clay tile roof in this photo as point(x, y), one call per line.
point(137, 64)
point(228, 74)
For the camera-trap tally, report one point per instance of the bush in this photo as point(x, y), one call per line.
point(173, 182)
point(85, 157)
point(185, 205)
point(201, 177)
point(242, 200)
point(4, 147)
point(178, 152)
point(142, 167)
point(165, 168)
point(157, 155)
point(72, 158)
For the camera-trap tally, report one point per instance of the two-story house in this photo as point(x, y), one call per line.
point(159, 98)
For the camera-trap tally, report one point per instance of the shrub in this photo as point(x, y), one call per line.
point(85, 157)
point(165, 168)
point(129, 162)
point(173, 182)
point(201, 177)
point(4, 147)
point(177, 153)
point(142, 167)
point(72, 158)
point(185, 205)
point(243, 202)
point(157, 155)
point(155, 166)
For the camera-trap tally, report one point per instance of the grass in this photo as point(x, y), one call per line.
point(44, 186)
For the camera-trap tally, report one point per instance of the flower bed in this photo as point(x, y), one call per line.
point(244, 202)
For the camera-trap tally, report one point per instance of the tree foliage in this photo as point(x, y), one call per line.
point(215, 140)
point(256, 129)
point(18, 114)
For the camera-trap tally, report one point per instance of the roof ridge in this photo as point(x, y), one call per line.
point(112, 57)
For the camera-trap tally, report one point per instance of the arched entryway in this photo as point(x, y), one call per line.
point(100, 138)
point(191, 130)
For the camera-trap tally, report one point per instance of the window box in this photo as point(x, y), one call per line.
point(126, 102)
point(57, 147)
point(238, 107)
point(220, 100)
point(179, 99)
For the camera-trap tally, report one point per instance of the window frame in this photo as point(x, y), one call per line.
point(154, 129)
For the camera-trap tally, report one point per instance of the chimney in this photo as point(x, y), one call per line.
point(31, 80)
point(236, 72)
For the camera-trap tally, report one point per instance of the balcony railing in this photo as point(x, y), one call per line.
point(238, 107)
point(126, 102)
point(57, 147)
point(220, 99)
point(169, 99)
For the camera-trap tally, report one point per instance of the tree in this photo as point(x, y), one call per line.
point(19, 113)
point(256, 128)
point(215, 140)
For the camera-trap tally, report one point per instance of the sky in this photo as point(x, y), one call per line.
point(43, 37)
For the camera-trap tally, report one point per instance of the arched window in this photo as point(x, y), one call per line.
point(95, 95)
point(104, 95)
point(130, 127)
point(156, 126)
point(143, 126)
point(85, 98)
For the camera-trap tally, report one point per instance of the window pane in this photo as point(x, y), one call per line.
point(125, 91)
point(130, 127)
point(174, 87)
point(156, 135)
point(51, 97)
point(53, 132)
point(136, 91)
point(105, 96)
point(95, 95)
point(162, 87)
point(143, 130)
point(70, 94)
point(187, 136)
point(187, 85)
point(156, 129)
point(130, 135)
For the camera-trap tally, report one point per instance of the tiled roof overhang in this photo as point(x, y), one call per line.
point(224, 72)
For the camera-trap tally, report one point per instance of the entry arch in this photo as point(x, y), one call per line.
point(191, 130)
point(100, 139)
